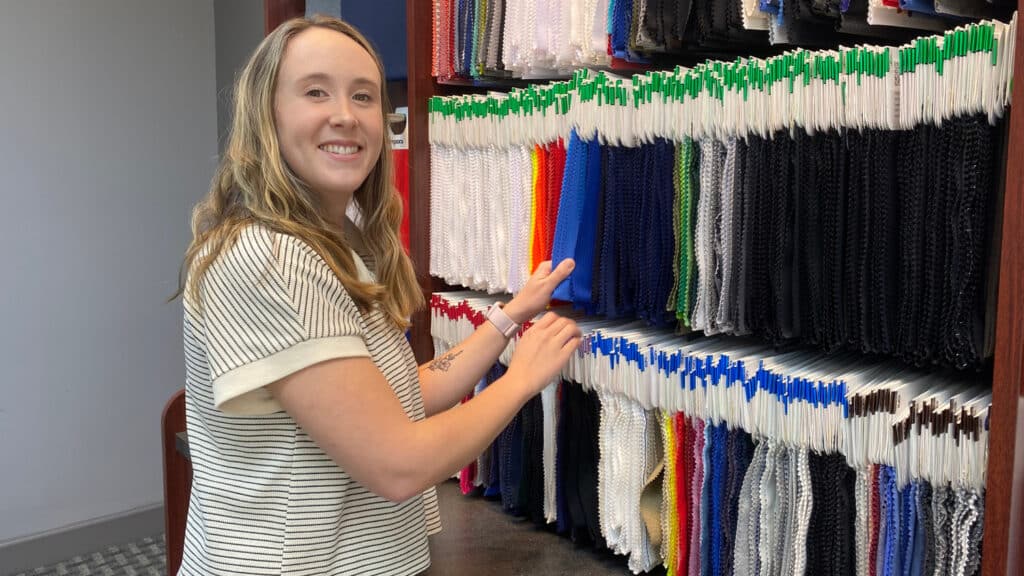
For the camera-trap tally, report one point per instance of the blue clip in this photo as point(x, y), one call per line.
point(723, 370)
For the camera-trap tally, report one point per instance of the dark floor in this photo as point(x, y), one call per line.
point(480, 540)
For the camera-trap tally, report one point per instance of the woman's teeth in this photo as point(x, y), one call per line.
point(334, 149)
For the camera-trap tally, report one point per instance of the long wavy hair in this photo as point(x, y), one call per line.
point(254, 185)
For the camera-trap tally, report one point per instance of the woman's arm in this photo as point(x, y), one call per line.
point(448, 379)
point(351, 412)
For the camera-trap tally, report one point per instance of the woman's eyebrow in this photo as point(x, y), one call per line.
point(322, 77)
point(314, 76)
point(365, 80)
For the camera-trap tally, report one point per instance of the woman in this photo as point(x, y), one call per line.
point(315, 438)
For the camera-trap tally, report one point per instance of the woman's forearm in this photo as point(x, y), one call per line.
point(448, 378)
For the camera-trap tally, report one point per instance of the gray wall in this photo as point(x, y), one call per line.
point(239, 31)
point(108, 139)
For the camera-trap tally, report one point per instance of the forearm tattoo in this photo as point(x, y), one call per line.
point(443, 363)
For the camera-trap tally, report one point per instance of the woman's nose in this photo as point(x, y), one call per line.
point(342, 116)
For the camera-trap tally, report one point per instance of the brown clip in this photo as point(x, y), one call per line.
point(956, 427)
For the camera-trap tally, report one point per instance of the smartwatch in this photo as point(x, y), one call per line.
point(501, 321)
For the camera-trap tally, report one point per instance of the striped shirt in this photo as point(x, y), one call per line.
point(265, 498)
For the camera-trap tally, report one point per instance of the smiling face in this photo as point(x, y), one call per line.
point(327, 107)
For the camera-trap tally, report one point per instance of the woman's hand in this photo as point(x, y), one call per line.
point(535, 296)
point(543, 350)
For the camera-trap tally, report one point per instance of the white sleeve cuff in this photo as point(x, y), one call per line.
point(243, 391)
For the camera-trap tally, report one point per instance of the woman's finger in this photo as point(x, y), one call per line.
point(569, 347)
point(567, 332)
point(565, 267)
point(546, 320)
point(543, 269)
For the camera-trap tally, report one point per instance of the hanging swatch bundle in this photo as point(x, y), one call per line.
point(546, 38)
point(724, 456)
point(839, 198)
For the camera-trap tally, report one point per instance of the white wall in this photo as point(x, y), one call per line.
point(108, 139)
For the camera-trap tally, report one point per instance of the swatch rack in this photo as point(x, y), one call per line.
point(870, 117)
point(890, 461)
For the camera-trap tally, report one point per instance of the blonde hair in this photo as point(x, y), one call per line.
point(254, 185)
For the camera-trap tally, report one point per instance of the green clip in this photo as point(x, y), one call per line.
point(995, 49)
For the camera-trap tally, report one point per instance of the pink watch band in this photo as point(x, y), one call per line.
point(501, 321)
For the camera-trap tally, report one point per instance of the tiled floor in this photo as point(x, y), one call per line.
point(478, 539)
point(142, 558)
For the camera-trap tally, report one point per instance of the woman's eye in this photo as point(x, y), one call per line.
point(315, 93)
point(363, 97)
